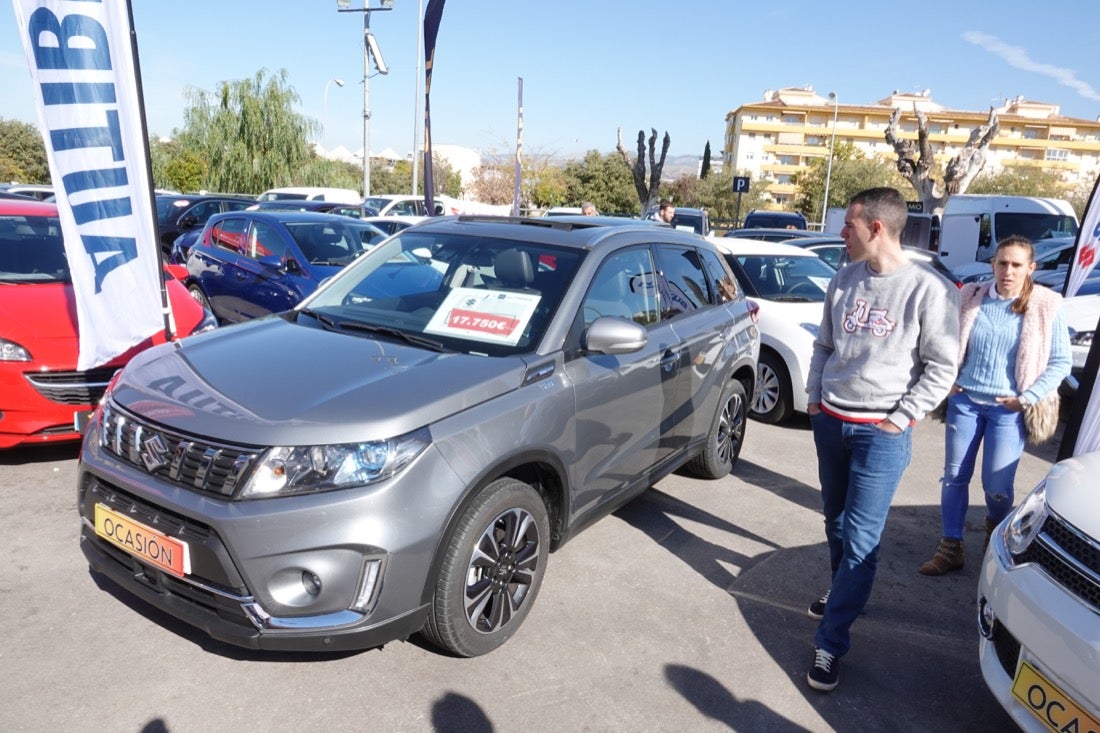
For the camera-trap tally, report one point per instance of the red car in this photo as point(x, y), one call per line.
point(40, 389)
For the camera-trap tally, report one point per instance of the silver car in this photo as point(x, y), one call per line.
point(400, 452)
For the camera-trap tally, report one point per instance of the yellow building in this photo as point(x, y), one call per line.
point(779, 136)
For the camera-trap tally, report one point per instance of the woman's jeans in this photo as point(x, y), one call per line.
point(859, 467)
point(970, 424)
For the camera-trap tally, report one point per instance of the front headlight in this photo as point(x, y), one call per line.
point(1026, 520)
point(287, 471)
point(11, 351)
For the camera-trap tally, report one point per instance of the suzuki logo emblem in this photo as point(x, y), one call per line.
point(154, 453)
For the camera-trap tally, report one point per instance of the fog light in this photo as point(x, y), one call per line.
point(987, 621)
point(311, 583)
point(364, 600)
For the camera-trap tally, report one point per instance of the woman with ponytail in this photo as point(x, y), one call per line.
point(1014, 352)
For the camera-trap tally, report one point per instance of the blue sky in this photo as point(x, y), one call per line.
point(591, 67)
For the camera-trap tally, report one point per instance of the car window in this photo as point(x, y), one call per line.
point(332, 242)
point(229, 234)
point(264, 240)
point(722, 280)
point(202, 212)
point(623, 287)
point(237, 205)
point(407, 208)
point(31, 250)
point(782, 277)
point(685, 279)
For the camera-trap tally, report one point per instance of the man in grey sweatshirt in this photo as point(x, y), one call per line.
point(885, 355)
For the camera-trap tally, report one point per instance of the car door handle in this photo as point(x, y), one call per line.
point(670, 360)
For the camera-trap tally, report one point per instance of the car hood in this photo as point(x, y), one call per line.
point(273, 382)
point(1071, 492)
point(42, 318)
point(778, 316)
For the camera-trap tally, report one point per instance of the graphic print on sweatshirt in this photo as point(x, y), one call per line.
point(865, 318)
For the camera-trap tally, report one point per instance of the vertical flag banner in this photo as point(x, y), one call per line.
point(518, 175)
point(84, 69)
point(432, 16)
point(1084, 254)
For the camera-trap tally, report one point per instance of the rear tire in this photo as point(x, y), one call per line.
point(727, 434)
point(491, 570)
point(773, 400)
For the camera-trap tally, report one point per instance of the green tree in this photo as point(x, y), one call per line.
point(704, 171)
point(1022, 181)
point(603, 180)
point(174, 168)
point(248, 133)
point(851, 173)
point(22, 153)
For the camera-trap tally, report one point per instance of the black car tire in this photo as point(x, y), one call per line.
point(727, 434)
point(773, 400)
point(492, 570)
point(200, 297)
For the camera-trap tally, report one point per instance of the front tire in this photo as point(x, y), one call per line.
point(492, 570)
point(727, 434)
point(773, 400)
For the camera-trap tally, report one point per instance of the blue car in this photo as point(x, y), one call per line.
point(248, 264)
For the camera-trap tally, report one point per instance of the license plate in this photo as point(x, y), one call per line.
point(1046, 701)
point(156, 548)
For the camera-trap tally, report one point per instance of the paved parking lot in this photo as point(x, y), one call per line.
point(683, 611)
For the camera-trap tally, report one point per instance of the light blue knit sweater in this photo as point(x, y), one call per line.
point(988, 370)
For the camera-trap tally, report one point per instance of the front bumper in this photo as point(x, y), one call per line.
point(1041, 624)
point(332, 571)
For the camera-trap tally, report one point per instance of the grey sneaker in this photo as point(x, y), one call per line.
point(825, 672)
point(817, 608)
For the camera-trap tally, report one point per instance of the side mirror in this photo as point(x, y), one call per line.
point(188, 222)
point(610, 335)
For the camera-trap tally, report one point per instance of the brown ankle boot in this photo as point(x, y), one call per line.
point(948, 557)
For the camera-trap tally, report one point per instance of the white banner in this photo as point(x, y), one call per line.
point(1085, 254)
point(85, 77)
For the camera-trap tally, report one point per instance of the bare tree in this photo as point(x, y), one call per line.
point(647, 192)
point(916, 160)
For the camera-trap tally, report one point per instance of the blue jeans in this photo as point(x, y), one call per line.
point(969, 424)
point(859, 467)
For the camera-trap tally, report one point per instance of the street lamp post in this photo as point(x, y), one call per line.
point(324, 120)
point(829, 165)
point(370, 49)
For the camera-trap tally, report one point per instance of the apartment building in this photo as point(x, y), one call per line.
point(780, 135)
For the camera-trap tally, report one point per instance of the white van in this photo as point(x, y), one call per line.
point(972, 224)
point(312, 193)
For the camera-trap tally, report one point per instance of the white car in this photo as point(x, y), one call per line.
point(397, 204)
point(788, 284)
point(1082, 312)
point(1039, 603)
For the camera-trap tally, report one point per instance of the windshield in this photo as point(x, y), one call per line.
point(465, 293)
point(31, 250)
point(783, 277)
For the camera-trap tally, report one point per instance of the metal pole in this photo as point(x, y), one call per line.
point(366, 100)
point(418, 113)
point(829, 166)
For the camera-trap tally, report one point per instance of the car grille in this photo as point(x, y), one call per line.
point(214, 585)
point(72, 388)
point(199, 465)
point(1069, 557)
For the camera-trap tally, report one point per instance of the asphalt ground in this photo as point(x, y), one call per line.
point(683, 611)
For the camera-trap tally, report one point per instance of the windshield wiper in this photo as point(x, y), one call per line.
point(325, 320)
point(396, 333)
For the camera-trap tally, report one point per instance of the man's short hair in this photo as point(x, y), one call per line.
point(883, 204)
point(666, 204)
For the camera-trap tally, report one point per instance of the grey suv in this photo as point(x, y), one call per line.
point(400, 452)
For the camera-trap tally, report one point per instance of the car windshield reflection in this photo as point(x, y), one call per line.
point(462, 293)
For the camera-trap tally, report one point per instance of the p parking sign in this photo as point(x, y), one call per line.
point(741, 184)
